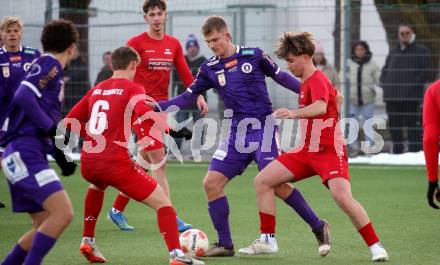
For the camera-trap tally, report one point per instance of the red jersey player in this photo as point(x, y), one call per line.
point(323, 152)
point(100, 114)
point(431, 131)
point(159, 52)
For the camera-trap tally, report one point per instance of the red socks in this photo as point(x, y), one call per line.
point(369, 235)
point(167, 221)
point(120, 202)
point(267, 223)
point(92, 208)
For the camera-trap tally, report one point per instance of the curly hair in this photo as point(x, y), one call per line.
point(58, 35)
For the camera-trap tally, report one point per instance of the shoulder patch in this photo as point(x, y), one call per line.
point(29, 51)
point(247, 52)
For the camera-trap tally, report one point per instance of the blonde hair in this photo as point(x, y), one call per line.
point(8, 20)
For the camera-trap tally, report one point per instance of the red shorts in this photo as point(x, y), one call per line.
point(326, 163)
point(149, 136)
point(122, 174)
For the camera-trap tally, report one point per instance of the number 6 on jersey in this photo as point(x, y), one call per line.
point(98, 118)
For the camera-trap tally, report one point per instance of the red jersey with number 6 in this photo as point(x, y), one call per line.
point(157, 59)
point(105, 115)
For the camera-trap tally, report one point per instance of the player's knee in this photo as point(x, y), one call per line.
point(261, 183)
point(342, 199)
point(211, 185)
point(64, 217)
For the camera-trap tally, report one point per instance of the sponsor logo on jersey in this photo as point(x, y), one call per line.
point(220, 155)
point(51, 75)
point(150, 51)
point(212, 63)
point(231, 63)
point(233, 69)
point(16, 65)
point(29, 51)
point(247, 52)
point(6, 72)
point(14, 59)
point(246, 68)
point(167, 52)
point(266, 57)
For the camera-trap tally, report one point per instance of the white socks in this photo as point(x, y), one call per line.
point(176, 253)
point(376, 247)
point(268, 238)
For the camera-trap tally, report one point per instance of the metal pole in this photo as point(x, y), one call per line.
point(242, 26)
point(345, 38)
point(48, 13)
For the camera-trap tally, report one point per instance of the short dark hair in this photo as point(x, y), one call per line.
point(213, 23)
point(58, 35)
point(151, 4)
point(106, 53)
point(123, 56)
point(296, 44)
point(411, 27)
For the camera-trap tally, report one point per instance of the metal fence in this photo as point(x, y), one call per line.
point(107, 24)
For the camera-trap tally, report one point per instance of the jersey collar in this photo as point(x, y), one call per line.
point(4, 48)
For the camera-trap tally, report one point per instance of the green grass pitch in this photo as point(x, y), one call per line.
point(394, 198)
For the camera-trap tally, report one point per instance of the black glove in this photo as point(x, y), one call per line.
point(67, 168)
point(433, 191)
point(183, 133)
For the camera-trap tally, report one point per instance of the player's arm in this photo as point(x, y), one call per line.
point(30, 90)
point(271, 69)
point(26, 97)
point(187, 77)
point(317, 108)
point(79, 113)
point(142, 111)
point(200, 84)
point(319, 95)
point(431, 130)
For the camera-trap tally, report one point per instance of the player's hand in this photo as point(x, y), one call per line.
point(183, 133)
point(284, 113)
point(151, 105)
point(202, 105)
point(433, 194)
point(67, 167)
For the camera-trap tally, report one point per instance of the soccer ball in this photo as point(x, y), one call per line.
point(194, 242)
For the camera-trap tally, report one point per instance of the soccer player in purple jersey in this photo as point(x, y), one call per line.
point(15, 59)
point(35, 188)
point(238, 74)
